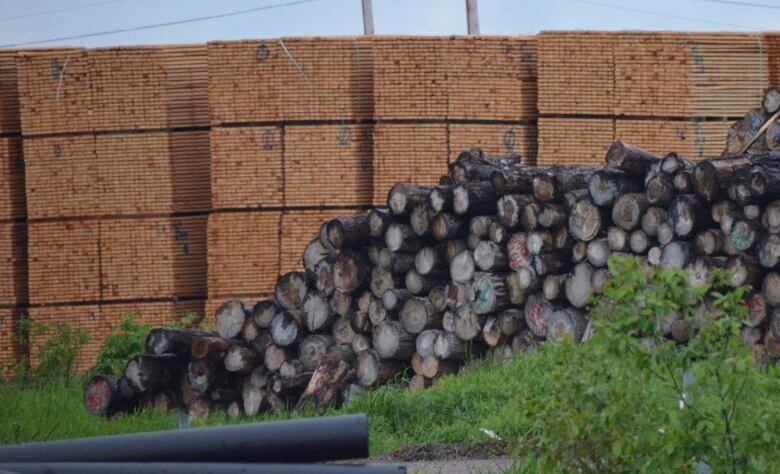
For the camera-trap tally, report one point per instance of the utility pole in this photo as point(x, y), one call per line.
point(368, 18)
point(472, 17)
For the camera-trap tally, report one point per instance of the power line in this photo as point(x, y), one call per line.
point(742, 4)
point(160, 25)
point(60, 10)
point(664, 15)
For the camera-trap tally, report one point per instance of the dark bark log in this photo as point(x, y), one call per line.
point(394, 299)
point(240, 359)
point(173, 340)
point(395, 262)
point(605, 186)
point(360, 343)
point(438, 297)
point(490, 292)
point(448, 346)
point(371, 370)
point(566, 322)
point(639, 242)
point(771, 100)
point(515, 180)
point(401, 238)
point(586, 220)
point(710, 242)
point(448, 226)
point(148, 373)
point(391, 341)
point(676, 254)
point(768, 251)
point(598, 252)
point(230, 317)
point(490, 257)
point(628, 210)
point(552, 216)
point(350, 271)
point(529, 216)
point(291, 290)
point(673, 162)
point(342, 331)
point(210, 347)
point(509, 208)
point(285, 329)
point(744, 270)
point(652, 219)
point(550, 187)
point(348, 231)
point(579, 287)
point(342, 304)
point(480, 225)
point(711, 177)
point(420, 219)
point(524, 342)
point(417, 314)
point(683, 182)
point(327, 382)
point(537, 313)
point(203, 375)
point(680, 330)
point(517, 294)
point(473, 198)
point(551, 262)
point(440, 199)
point(552, 288)
point(377, 312)
point(688, 215)
point(402, 198)
point(323, 277)
point(510, 321)
point(763, 183)
point(263, 312)
point(382, 281)
point(772, 344)
point(425, 340)
point(323, 237)
point(421, 284)
point(378, 222)
point(313, 253)
point(432, 261)
point(318, 315)
point(462, 267)
point(721, 208)
point(453, 248)
point(660, 190)
point(630, 159)
point(498, 233)
point(313, 349)
point(102, 396)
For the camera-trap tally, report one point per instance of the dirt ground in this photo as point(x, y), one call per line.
point(460, 458)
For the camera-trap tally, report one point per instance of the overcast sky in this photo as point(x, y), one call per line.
point(343, 17)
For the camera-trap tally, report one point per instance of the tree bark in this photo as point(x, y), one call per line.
point(240, 359)
point(550, 187)
point(348, 231)
point(378, 222)
point(173, 340)
point(350, 271)
point(312, 350)
point(402, 198)
point(210, 347)
point(151, 372)
point(473, 198)
point(420, 219)
point(327, 382)
point(632, 160)
point(263, 312)
point(291, 290)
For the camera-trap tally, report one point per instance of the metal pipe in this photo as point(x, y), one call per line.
point(295, 441)
point(198, 468)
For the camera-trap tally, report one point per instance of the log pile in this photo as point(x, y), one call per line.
point(499, 255)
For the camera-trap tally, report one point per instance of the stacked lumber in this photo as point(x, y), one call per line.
point(11, 349)
point(661, 90)
point(492, 139)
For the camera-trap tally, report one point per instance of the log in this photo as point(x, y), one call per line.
point(683, 182)
point(598, 280)
point(537, 312)
point(551, 262)
point(710, 242)
point(628, 210)
point(402, 198)
point(391, 341)
point(566, 322)
point(551, 186)
point(401, 238)
point(498, 233)
point(517, 294)
point(446, 226)
point(425, 340)
point(102, 396)
point(313, 349)
point(752, 212)
point(419, 382)
point(360, 343)
point(382, 280)
point(605, 186)
point(419, 284)
point(342, 304)
point(263, 312)
point(318, 315)
point(770, 288)
point(744, 270)
point(378, 222)
point(586, 220)
point(480, 225)
point(473, 198)
point(290, 290)
point(377, 312)
point(552, 288)
point(393, 299)
point(230, 318)
point(745, 234)
point(327, 382)
point(150, 372)
point(371, 370)
point(768, 251)
point(676, 254)
point(598, 252)
point(517, 251)
point(617, 239)
point(529, 216)
point(285, 329)
point(431, 260)
point(313, 253)
point(240, 359)
point(430, 366)
point(772, 344)
point(680, 330)
point(634, 161)
point(757, 310)
point(448, 346)
point(420, 219)
point(510, 321)
point(448, 320)
point(552, 216)
point(350, 271)
point(665, 233)
point(771, 100)
point(418, 314)
point(638, 242)
point(688, 215)
point(342, 331)
point(204, 374)
point(711, 177)
point(348, 231)
point(509, 208)
point(524, 342)
point(395, 262)
point(462, 267)
point(660, 190)
point(440, 199)
point(323, 277)
point(490, 257)
point(652, 219)
point(173, 340)
point(468, 323)
point(540, 241)
point(491, 293)
point(578, 287)
point(210, 347)
point(491, 332)
point(438, 297)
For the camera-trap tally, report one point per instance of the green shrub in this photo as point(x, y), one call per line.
point(125, 342)
point(631, 400)
point(57, 355)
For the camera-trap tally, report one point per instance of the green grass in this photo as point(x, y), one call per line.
point(485, 395)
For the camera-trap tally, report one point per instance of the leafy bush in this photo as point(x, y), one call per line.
point(631, 400)
point(125, 342)
point(58, 354)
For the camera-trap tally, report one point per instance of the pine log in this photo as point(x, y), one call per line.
point(552, 216)
point(312, 349)
point(319, 316)
point(393, 299)
point(419, 382)
point(660, 190)
point(566, 322)
point(448, 346)
point(230, 318)
point(632, 160)
point(617, 239)
point(348, 231)
point(432, 260)
point(489, 256)
point(540, 241)
point(683, 182)
point(768, 251)
point(210, 347)
point(552, 288)
point(473, 198)
point(150, 372)
point(579, 252)
point(395, 262)
point(529, 216)
point(417, 314)
point(665, 233)
point(204, 374)
point(448, 320)
point(240, 359)
point(173, 340)
point(360, 343)
point(438, 297)
point(468, 323)
point(263, 312)
point(401, 238)
point(462, 267)
point(517, 294)
point(586, 220)
point(425, 340)
point(498, 233)
point(391, 341)
point(420, 219)
point(328, 380)
point(447, 226)
point(578, 287)
point(652, 219)
point(628, 210)
point(744, 270)
point(371, 370)
point(491, 293)
point(605, 186)
point(342, 304)
point(350, 271)
point(377, 312)
point(313, 253)
point(745, 234)
point(323, 277)
point(440, 199)
point(480, 225)
point(342, 331)
point(710, 242)
point(378, 222)
point(285, 329)
point(382, 280)
point(688, 215)
point(757, 310)
point(638, 242)
point(509, 208)
point(598, 252)
point(537, 313)
point(402, 198)
point(290, 291)
point(551, 262)
point(711, 177)
point(654, 256)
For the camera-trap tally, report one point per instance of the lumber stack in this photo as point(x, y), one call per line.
point(116, 180)
point(658, 90)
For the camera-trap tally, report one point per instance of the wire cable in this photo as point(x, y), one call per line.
point(742, 4)
point(664, 15)
point(159, 25)
point(60, 10)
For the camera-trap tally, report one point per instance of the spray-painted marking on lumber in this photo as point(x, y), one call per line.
point(510, 139)
point(698, 59)
point(268, 140)
point(535, 317)
point(262, 53)
point(742, 237)
point(56, 69)
point(181, 235)
point(525, 57)
point(699, 140)
point(160, 228)
point(57, 151)
point(344, 135)
point(517, 251)
point(484, 295)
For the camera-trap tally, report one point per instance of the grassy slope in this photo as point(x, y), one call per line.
point(484, 396)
